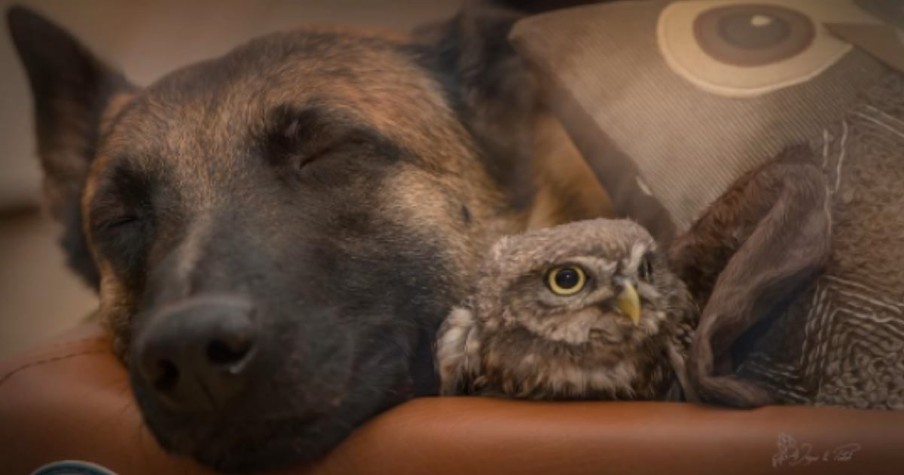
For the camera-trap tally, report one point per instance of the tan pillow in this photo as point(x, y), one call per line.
point(670, 102)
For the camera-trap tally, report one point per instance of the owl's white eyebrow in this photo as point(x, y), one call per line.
point(638, 250)
point(598, 264)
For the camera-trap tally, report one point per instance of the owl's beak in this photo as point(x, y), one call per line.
point(628, 303)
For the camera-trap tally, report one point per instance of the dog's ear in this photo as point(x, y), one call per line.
point(493, 92)
point(72, 94)
point(500, 100)
point(748, 256)
point(540, 6)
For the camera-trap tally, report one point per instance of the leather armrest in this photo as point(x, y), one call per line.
point(70, 399)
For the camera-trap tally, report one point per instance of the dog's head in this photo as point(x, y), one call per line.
point(276, 233)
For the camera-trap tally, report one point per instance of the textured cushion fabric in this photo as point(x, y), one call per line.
point(70, 399)
point(842, 341)
point(669, 113)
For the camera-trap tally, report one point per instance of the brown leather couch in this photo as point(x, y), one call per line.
point(70, 399)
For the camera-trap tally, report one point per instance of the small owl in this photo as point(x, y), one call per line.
point(586, 310)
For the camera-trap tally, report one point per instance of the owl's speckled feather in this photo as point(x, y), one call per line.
point(515, 337)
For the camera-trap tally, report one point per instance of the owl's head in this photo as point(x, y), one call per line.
point(602, 282)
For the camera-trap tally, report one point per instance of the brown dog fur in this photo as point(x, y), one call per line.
point(326, 175)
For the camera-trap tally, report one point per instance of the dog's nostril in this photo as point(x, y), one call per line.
point(166, 376)
point(226, 352)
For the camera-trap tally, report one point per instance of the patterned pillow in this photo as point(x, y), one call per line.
point(670, 102)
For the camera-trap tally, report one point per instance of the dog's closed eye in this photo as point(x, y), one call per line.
point(120, 219)
point(296, 139)
point(122, 197)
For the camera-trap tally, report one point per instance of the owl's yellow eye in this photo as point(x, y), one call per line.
point(566, 280)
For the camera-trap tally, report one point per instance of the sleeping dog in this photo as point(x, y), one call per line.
point(275, 234)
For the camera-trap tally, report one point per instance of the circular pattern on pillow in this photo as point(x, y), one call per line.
point(753, 35)
point(746, 48)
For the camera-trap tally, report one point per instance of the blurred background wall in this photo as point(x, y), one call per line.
point(146, 39)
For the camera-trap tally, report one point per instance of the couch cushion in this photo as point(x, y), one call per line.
point(70, 399)
point(669, 113)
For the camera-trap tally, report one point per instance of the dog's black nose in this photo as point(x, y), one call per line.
point(195, 354)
